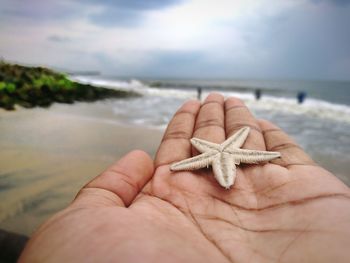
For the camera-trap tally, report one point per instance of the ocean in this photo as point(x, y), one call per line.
point(321, 124)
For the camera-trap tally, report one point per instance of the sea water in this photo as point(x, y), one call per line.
point(321, 124)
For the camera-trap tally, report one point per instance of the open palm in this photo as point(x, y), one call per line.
point(288, 210)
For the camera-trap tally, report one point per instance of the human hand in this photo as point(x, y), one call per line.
point(288, 210)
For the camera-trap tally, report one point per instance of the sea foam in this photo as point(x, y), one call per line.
point(311, 107)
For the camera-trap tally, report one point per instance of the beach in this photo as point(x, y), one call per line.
point(48, 154)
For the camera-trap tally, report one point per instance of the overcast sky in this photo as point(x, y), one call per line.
point(294, 39)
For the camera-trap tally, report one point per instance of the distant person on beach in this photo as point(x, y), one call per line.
point(257, 94)
point(301, 96)
point(199, 93)
point(288, 210)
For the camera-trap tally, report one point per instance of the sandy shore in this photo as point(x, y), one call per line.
point(46, 156)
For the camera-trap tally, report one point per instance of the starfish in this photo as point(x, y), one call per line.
point(224, 157)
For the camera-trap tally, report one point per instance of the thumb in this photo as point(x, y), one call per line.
point(119, 184)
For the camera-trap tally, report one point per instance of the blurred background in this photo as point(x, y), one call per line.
point(288, 60)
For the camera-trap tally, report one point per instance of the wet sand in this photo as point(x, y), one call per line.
point(47, 156)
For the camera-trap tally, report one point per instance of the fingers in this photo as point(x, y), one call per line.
point(120, 183)
point(279, 141)
point(175, 145)
point(210, 123)
point(237, 115)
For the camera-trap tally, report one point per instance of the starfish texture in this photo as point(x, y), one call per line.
point(224, 157)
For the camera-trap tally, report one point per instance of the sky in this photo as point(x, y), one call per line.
point(260, 39)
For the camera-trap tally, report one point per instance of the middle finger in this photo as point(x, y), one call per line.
point(238, 116)
point(210, 123)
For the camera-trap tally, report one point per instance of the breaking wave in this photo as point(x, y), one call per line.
point(286, 104)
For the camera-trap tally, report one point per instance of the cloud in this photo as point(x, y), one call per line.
point(173, 64)
point(136, 5)
point(307, 43)
point(333, 2)
point(121, 13)
point(112, 17)
point(39, 11)
point(58, 39)
point(125, 13)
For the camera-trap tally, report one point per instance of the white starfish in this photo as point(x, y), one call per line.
point(224, 157)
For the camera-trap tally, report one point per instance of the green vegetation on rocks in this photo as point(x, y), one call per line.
point(38, 86)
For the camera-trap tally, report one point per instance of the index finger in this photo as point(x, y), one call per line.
point(237, 116)
point(175, 145)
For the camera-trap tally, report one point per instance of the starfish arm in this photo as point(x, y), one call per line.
point(252, 156)
point(237, 139)
point(197, 162)
point(204, 146)
point(224, 170)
